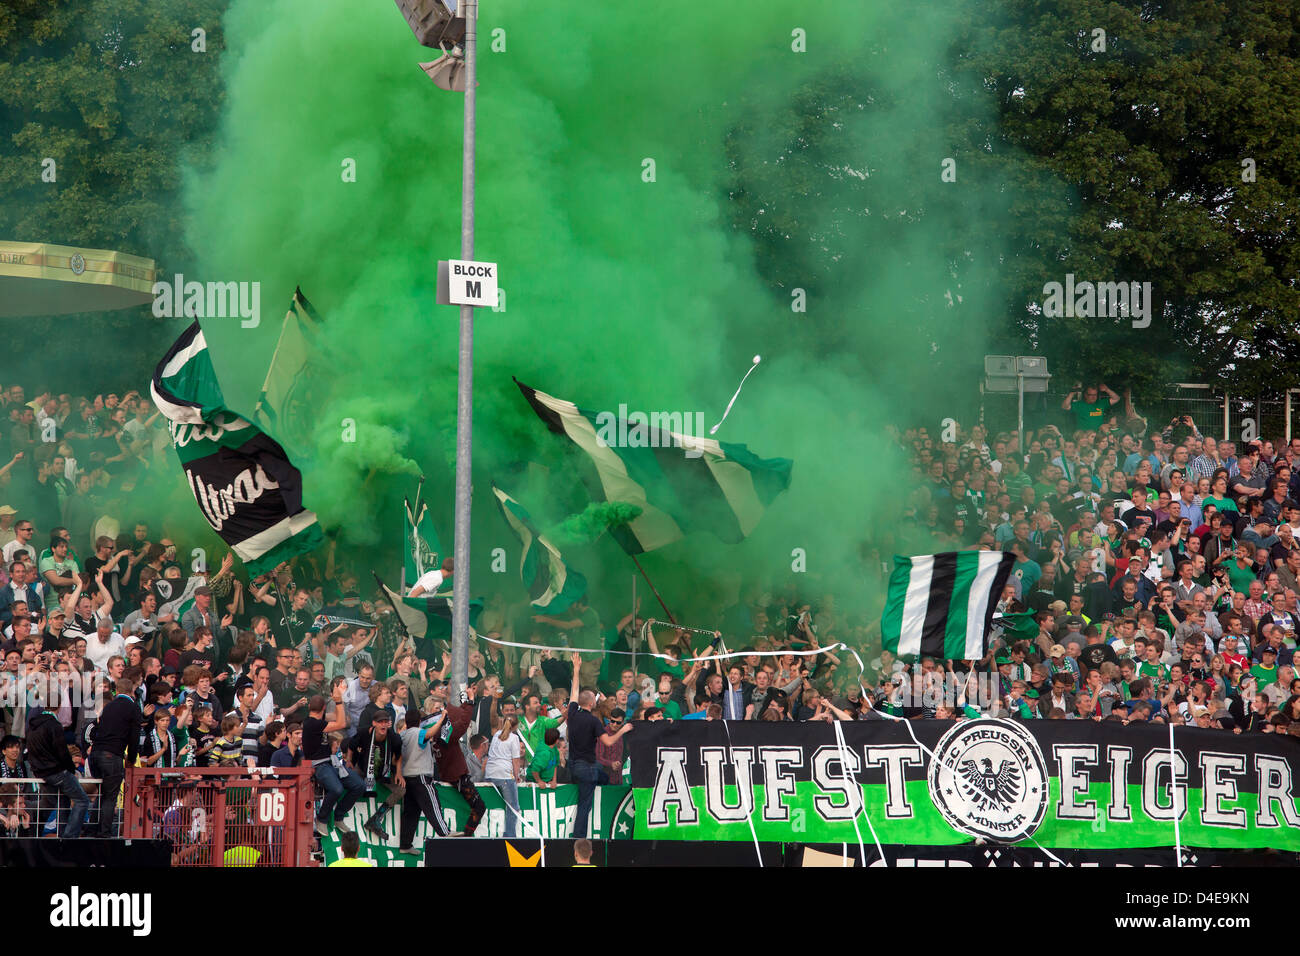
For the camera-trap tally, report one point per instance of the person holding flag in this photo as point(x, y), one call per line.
point(432, 580)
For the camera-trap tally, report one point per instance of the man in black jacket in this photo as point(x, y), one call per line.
point(114, 746)
point(48, 757)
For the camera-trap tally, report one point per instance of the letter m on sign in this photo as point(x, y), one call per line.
point(474, 289)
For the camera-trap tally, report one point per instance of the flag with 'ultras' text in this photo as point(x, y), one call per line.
point(552, 585)
point(941, 605)
point(682, 483)
point(244, 484)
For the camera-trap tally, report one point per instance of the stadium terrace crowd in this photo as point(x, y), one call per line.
point(1160, 566)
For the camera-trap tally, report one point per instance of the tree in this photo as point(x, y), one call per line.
point(1164, 152)
point(114, 92)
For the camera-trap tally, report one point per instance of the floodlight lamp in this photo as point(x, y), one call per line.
point(448, 71)
point(435, 23)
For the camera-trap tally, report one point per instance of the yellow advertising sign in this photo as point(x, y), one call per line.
point(37, 278)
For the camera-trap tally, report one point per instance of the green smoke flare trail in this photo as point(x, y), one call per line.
point(592, 522)
point(775, 172)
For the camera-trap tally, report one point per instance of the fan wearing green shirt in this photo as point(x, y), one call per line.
point(1089, 413)
point(1151, 667)
point(541, 768)
point(1241, 571)
point(1265, 672)
point(60, 571)
point(671, 709)
point(1218, 496)
point(533, 725)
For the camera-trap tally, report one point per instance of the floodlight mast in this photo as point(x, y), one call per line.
point(439, 24)
point(465, 376)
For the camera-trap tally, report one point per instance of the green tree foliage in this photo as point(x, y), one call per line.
point(114, 92)
point(1118, 162)
point(1152, 135)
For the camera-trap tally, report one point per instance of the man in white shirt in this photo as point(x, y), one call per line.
point(104, 643)
point(24, 531)
point(430, 581)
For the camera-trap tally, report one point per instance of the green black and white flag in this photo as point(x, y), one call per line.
point(941, 605)
point(288, 404)
point(682, 483)
point(428, 616)
point(178, 603)
point(421, 550)
point(552, 585)
point(243, 481)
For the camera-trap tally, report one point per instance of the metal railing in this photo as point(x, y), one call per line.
point(224, 816)
point(40, 810)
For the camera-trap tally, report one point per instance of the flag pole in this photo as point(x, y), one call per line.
point(653, 590)
point(633, 641)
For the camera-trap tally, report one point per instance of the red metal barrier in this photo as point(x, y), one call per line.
point(224, 816)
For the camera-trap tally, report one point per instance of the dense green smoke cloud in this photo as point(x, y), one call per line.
point(775, 170)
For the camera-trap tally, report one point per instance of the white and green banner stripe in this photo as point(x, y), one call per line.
point(941, 605)
point(682, 483)
point(552, 585)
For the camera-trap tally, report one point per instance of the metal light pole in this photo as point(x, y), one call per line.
point(465, 377)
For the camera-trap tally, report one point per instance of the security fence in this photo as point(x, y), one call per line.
point(224, 816)
point(1239, 418)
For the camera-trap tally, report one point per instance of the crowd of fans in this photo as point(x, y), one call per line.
point(1160, 567)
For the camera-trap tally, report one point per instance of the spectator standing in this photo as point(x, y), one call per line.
point(452, 766)
point(503, 767)
point(377, 755)
point(50, 759)
point(585, 730)
point(115, 743)
point(420, 770)
point(341, 790)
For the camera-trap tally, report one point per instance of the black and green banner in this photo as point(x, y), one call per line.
point(242, 479)
point(1053, 783)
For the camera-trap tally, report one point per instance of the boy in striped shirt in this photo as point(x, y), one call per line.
point(228, 751)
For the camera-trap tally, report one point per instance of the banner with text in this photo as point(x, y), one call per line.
point(1059, 783)
point(548, 813)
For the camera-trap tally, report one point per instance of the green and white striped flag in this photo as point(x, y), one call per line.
point(682, 483)
point(941, 605)
point(552, 585)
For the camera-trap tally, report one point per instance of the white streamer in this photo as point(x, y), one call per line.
point(1173, 789)
point(714, 429)
point(844, 769)
point(750, 819)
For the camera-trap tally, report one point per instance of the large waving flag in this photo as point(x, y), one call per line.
point(552, 585)
point(243, 481)
point(427, 616)
point(682, 483)
point(287, 405)
point(941, 605)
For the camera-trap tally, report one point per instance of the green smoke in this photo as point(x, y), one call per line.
point(777, 174)
point(593, 521)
